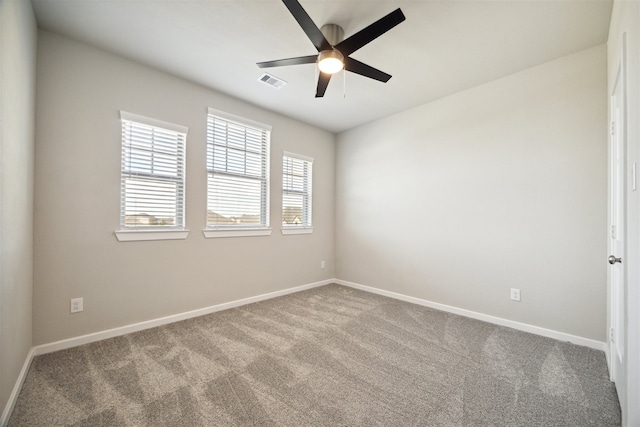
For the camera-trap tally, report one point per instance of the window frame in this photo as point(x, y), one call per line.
point(239, 230)
point(306, 227)
point(154, 232)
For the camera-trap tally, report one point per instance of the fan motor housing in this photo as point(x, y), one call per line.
point(333, 33)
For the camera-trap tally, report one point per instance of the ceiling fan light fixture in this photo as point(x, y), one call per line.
point(330, 61)
point(333, 50)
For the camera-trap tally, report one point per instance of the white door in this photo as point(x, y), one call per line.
point(617, 158)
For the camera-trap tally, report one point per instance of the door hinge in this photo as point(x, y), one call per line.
point(613, 232)
point(612, 130)
point(612, 335)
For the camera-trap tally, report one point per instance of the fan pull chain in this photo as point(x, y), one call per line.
point(344, 83)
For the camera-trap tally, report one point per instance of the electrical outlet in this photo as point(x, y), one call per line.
point(515, 294)
point(77, 305)
point(322, 264)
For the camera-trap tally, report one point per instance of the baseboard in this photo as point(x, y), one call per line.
point(13, 397)
point(123, 330)
point(561, 336)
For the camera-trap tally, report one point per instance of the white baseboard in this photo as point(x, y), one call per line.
point(123, 330)
point(13, 397)
point(561, 336)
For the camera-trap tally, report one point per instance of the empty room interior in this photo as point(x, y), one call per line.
point(201, 225)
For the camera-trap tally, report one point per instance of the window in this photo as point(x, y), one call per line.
point(152, 178)
point(296, 193)
point(237, 176)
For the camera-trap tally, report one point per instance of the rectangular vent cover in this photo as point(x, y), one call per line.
point(272, 80)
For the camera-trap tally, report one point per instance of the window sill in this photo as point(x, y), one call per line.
point(212, 234)
point(141, 235)
point(297, 230)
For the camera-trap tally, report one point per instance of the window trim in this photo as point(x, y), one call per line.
point(235, 232)
point(249, 230)
point(138, 235)
point(179, 232)
point(293, 229)
point(299, 229)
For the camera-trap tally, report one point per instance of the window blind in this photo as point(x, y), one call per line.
point(237, 172)
point(153, 174)
point(297, 176)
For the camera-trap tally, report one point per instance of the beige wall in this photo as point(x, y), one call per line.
point(500, 186)
point(18, 38)
point(80, 92)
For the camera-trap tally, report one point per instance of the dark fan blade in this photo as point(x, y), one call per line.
point(358, 67)
point(323, 82)
point(373, 31)
point(307, 24)
point(290, 61)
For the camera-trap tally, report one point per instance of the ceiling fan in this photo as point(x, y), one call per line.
point(333, 52)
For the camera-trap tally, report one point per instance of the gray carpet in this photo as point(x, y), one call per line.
point(330, 356)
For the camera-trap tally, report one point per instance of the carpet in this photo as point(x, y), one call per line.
point(329, 356)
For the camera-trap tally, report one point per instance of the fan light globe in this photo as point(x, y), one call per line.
point(330, 61)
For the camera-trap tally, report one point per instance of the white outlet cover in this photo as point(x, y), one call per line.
point(77, 305)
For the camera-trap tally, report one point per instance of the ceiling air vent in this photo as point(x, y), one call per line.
point(272, 80)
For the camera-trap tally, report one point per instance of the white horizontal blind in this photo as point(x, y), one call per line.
point(297, 176)
point(238, 172)
point(153, 174)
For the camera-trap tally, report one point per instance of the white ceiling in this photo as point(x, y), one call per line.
point(443, 47)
